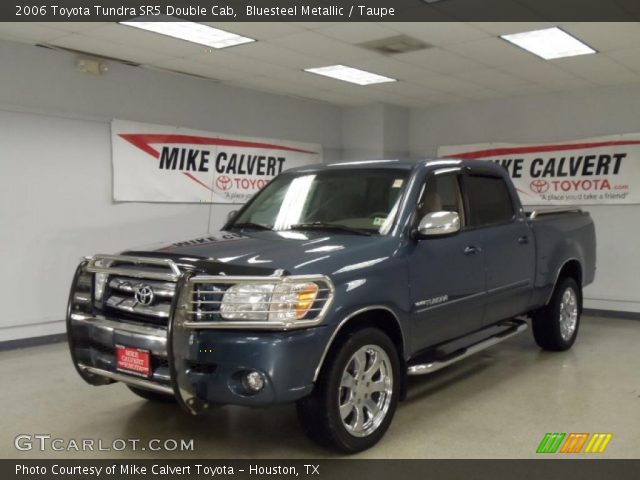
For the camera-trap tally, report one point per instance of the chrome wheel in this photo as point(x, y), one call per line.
point(568, 314)
point(365, 390)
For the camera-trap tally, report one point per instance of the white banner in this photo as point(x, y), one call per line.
point(155, 163)
point(603, 170)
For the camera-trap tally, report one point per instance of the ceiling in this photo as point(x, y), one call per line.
point(467, 61)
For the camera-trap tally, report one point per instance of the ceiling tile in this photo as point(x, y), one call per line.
point(440, 33)
point(73, 27)
point(32, 33)
point(354, 33)
point(537, 70)
point(150, 41)
point(505, 28)
point(315, 25)
point(389, 66)
point(195, 68)
point(491, 78)
point(101, 47)
point(276, 55)
point(629, 57)
point(320, 46)
point(606, 36)
point(438, 60)
point(407, 89)
point(446, 83)
point(258, 30)
point(493, 52)
point(590, 66)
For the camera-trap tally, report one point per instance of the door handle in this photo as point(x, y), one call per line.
point(472, 250)
point(523, 240)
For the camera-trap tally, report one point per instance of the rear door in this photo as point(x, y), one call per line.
point(509, 253)
point(446, 274)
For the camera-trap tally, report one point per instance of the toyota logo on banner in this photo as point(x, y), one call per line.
point(539, 186)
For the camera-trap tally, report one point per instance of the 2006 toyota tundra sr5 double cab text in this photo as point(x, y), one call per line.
point(330, 287)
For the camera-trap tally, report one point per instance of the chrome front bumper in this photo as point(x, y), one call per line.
point(184, 353)
point(92, 338)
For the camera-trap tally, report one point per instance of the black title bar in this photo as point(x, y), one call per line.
point(565, 469)
point(320, 10)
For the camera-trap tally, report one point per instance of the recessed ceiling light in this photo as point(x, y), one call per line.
point(193, 32)
point(350, 74)
point(549, 43)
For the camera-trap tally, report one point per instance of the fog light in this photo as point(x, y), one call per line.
point(253, 382)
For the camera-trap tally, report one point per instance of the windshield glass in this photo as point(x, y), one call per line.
point(357, 200)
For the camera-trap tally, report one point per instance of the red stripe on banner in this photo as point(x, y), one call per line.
point(197, 181)
point(143, 141)
point(494, 152)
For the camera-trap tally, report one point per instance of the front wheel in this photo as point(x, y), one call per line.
point(356, 394)
point(555, 327)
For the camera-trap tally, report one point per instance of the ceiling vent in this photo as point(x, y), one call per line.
point(395, 45)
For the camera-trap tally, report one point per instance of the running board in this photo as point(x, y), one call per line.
point(426, 368)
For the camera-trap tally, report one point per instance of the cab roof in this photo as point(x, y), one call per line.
point(403, 165)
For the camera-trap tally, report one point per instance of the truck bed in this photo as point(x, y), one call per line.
point(561, 235)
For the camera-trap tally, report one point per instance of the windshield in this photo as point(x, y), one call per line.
point(348, 200)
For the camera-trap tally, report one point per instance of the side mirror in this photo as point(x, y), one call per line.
point(231, 214)
point(439, 223)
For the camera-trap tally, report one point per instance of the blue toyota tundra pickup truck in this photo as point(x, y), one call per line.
point(329, 288)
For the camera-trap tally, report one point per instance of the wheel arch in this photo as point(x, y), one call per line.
point(378, 316)
point(572, 268)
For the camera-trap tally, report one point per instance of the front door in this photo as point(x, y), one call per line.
point(446, 274)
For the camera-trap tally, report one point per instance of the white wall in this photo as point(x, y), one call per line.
point(547, 118)
point(55, 167)
point(375, 131)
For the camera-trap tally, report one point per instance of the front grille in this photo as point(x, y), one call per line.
point(139, 299)
point(129, 288)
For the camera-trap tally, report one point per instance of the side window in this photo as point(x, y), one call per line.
point(441, 192)
point(489, 201)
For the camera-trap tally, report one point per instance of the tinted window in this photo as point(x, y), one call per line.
point(441, 192)
point(489, 200)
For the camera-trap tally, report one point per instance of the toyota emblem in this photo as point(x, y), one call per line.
point(144, 295)
point(539, 186)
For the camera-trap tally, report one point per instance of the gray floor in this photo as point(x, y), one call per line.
point(497, 404)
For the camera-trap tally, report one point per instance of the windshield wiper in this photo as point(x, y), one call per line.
point(257, 226)
point(328, 226)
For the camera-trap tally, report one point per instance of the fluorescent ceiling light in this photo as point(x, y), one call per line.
point(193, 32)
point(549, 43)
point(350, 74)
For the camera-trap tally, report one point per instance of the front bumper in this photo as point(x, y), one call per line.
point(198, 366)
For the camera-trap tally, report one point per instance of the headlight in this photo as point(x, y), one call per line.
point(268, 301)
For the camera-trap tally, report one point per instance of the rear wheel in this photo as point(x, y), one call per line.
point(555, 327)
point(356, 394)
point(151, 395)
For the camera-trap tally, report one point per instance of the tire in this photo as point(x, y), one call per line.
point(555, 327)
point(152, 396)
point(320, 414)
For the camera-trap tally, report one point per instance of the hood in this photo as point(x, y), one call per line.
point(266, 252)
